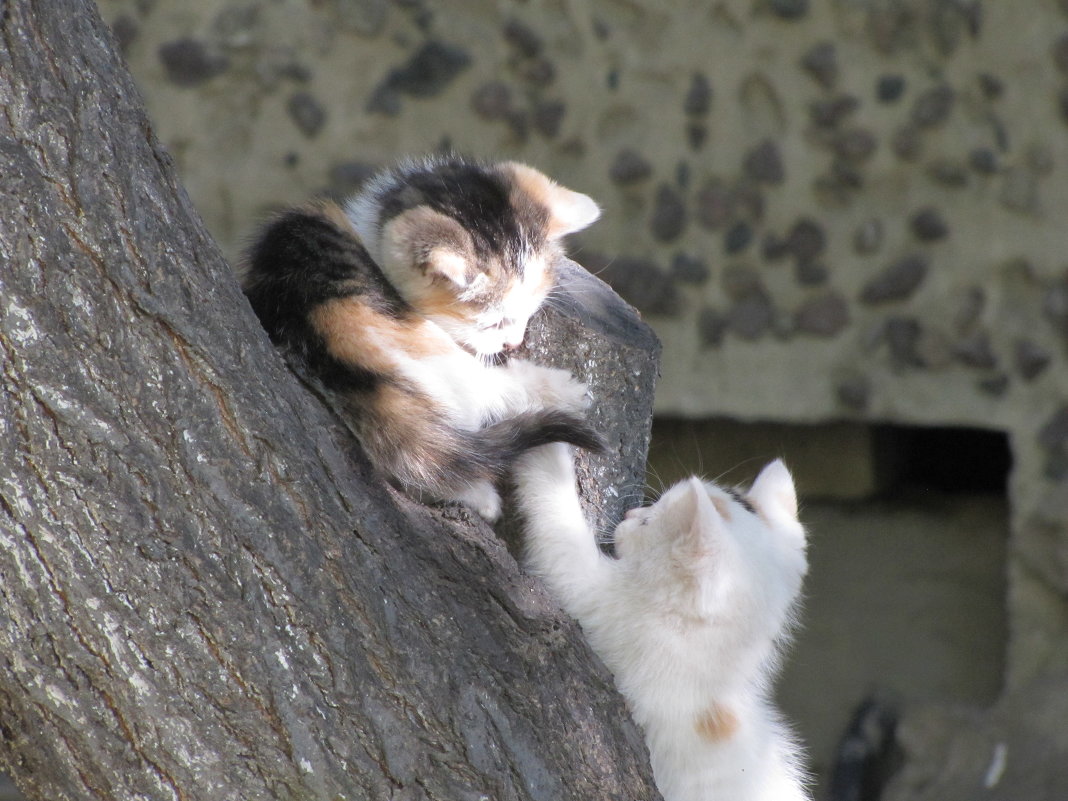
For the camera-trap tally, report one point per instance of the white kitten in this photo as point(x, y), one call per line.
point(689, 618)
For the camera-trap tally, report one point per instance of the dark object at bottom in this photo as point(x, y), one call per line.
point(867, 755)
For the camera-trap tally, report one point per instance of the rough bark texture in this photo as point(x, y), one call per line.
point(206, 593)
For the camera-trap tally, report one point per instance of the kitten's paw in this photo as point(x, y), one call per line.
point(551, 386)
point(567, 392)
point(484, 499)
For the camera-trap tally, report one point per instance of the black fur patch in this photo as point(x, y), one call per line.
point(737, 495)
point(301, 260)
point(490, 452)
point(480, 198)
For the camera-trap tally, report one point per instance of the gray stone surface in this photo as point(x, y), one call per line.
point(588, 330)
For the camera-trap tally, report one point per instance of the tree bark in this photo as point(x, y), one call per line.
point(207, 594)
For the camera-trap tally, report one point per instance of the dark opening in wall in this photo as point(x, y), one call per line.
point(847, 461)
point(946, 459)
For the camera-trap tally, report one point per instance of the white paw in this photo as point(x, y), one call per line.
point(567, 392)
point(552, 387)
point(484, 499)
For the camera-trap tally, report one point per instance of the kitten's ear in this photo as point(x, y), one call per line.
point(697, 518)
point(430, 241)
point(446, 263)
point(568, 211)
point(773, 492)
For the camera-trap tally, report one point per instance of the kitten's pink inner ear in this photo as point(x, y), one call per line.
point(570, 212)
point(448, 264)
point(773, 491)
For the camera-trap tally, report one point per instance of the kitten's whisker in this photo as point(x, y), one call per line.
point(601, 269)
point(734, 468)
point(651, 490)
point(605, 538)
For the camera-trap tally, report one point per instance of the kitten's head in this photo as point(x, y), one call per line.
point(470, 246)
point(718, 560)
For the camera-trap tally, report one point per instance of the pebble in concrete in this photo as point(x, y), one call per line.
point(1031, 359)
point(307, 113)
point(763, 163)
point(933, 106)
point(889, 88)
point(823, 316)
point(821, 62)
point(669, 214)
point(689, 269)
point(928, 225)
point(698, 100)
point(189, 62)
point(629, 167)
point(868, 237)
point(897, 281)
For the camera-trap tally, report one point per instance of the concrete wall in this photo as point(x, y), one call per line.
point(848, 210)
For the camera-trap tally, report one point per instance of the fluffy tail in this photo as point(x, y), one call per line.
point(407, 438)
point(490, 452)
point(513, 436)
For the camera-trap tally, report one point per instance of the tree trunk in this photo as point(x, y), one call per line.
point(207, 594)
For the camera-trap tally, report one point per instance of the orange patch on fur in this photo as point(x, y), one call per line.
point(534, 183)
point(440, 301)
point(546, 279)
point(357, 334)
point(568, 211)
point(722, 506)
point(716, 724)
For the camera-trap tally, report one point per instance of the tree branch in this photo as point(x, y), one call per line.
point(207, 593)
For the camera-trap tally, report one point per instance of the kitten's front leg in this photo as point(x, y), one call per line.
point(544, 387)
point(560, 545)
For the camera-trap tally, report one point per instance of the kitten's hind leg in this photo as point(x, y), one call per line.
point(483, 497)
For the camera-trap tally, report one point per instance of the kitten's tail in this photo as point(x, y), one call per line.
point(424, 452)
point(491, 451)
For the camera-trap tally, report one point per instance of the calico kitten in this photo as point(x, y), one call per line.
point(398, 303)
point(689, 618)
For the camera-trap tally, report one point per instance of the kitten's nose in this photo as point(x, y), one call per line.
point(632, 513)
point(514, 344)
